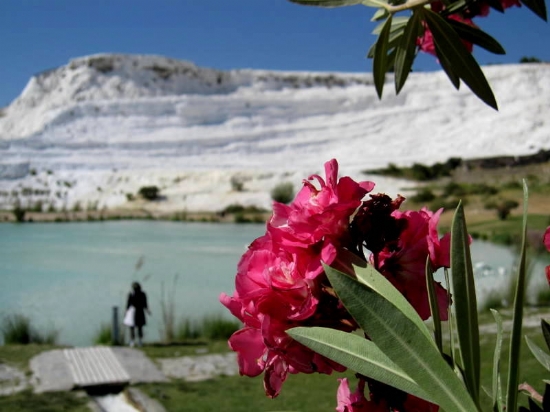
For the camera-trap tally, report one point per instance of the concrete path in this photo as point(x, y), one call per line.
point(52, 370)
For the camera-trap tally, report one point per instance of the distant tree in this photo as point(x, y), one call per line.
point(531, 59)
point(283, 193)
point(503, 207)
point(19, 213)
point(149, 192)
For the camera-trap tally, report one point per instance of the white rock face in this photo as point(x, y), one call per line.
point(96, 130)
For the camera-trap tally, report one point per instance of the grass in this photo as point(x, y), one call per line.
point(18, 329)
point(235, 393)
point(20, 355)
point(27, 401)
point(210, 327)
point(301, 392)
point(317, 392)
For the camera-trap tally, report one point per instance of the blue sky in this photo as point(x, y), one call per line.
point(268, 34)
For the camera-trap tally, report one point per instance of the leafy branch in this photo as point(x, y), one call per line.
point(443, 28)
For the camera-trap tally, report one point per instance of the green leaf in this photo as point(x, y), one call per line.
point(374, 3)
point(538, 353)
point(545, 332)
point(406, 50)
point(379, 14)
point(358, 354)
point(450, 48)
point(497, 388)
point(398, 23)
point(464, 295)
point(327, 3)
point(379, 64)
point(371, 278)
point(434, 306)
point(496, 4)
point(536, 6)
point(401, 339)
point(519, 300)
point(450, 321)
point(477, 36)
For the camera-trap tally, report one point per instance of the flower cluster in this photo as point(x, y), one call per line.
point(476, 8)
point(280, 282)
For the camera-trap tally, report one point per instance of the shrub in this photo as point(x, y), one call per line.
point(283, 192)
point(104, 335)
point(19, 213)
point(218, 328)
point(149, 192)
point(423, 195)
point(237, 183)
point(18, 329)
point(187, 330)
point(503, 207)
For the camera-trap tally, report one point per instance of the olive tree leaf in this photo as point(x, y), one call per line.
point(450, 48)
point(406, 50)
point(536, 6)
point(379, 64)
point(477, 36)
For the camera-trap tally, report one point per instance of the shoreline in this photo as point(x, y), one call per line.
point(8, 216)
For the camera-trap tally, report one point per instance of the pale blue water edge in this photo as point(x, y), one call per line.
point(68, 276)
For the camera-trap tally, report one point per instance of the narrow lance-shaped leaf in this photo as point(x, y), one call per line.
point(379, 64)
point(465, 302)
point(477, 36)
point(358, 354)
point(497, 388)
point(406, 50)
point(449, 46)
point(538, 353)
point(374, 3)
point(450, 321)
point(517, 320)
point(375, 281)
point(397, 23)
point(434, 306)
point(545, 332)
point(402, 340)
point(327, 3)
point(536, 6)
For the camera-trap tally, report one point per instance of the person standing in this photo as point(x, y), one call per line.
point(138, 300)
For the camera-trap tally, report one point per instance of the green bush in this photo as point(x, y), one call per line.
point(149, 192)
point(503, 207)
point(104, 335)
point(283, 192)
point(237, 183)
point(18, 329)
point(187, 330)
point(423, 195)
point(211, 327)
point(219, 328)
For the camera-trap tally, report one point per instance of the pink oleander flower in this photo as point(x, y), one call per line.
point(356, 401)
point(426, 42)
point(280, 283)
point(546, 241)
point(403, 262)
point(382, 398)
point(318, 213)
